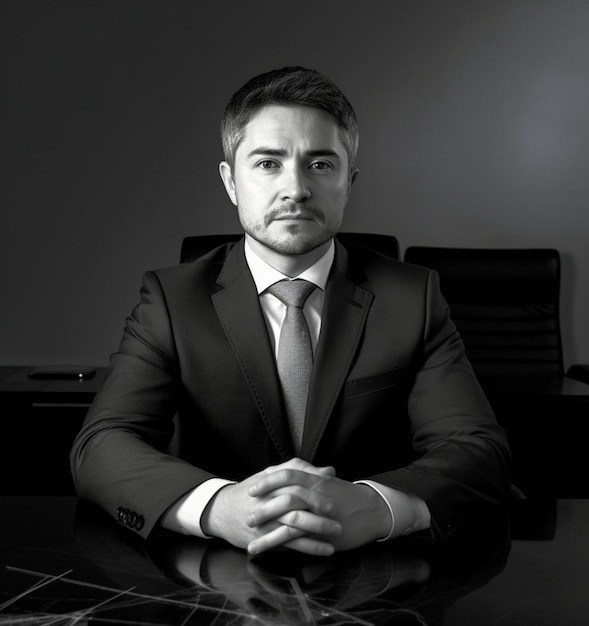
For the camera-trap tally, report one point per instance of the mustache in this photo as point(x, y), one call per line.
point(292, 208)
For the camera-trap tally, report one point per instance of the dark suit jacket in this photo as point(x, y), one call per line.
point(393, 397)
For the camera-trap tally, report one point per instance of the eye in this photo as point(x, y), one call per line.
point(266, 164)
point(320, 165)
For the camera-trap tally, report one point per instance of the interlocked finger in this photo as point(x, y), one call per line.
point(293, 538)
point(286, 501)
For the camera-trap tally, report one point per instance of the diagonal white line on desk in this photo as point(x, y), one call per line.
point(82, 583)
point(302, 599)
point(133, 594)
point(45, 581)
point(82, 614)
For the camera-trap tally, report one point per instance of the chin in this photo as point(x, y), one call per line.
point(296, 241)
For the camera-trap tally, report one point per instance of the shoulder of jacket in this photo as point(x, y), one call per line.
point(209, 264)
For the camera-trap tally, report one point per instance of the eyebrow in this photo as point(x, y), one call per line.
point(263, 151)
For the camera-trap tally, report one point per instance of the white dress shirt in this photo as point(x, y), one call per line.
point(408, 513)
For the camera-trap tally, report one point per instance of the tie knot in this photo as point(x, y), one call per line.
point(292, 292)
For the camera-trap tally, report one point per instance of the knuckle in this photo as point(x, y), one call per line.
point(289, 532)
point(289, 500)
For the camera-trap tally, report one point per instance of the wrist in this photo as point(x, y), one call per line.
point(215, 513)
point(382, 518)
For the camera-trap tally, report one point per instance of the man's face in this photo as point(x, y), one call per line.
point(291, 178)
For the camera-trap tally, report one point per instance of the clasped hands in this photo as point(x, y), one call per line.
point(298, 506)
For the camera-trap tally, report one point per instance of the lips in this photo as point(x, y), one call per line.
point(295, 216)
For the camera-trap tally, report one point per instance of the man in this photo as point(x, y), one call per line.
point(392, 433)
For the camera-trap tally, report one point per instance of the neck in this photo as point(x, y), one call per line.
point(289, 265)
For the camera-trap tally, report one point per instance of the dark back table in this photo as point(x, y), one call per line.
point(64, 562)
point(545, 420)
point(40, 418)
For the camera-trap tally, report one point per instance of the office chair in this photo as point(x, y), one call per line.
point(505, 304)
point(196, 245)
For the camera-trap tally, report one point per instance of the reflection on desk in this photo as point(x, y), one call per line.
point(66, 562)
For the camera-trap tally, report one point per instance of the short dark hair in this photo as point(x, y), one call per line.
point(294, 86)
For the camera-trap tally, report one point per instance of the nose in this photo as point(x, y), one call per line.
point(295, 185)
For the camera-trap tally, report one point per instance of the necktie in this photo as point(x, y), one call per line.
point(295, 353)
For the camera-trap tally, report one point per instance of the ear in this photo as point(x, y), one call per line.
point(352, 178)
point(228, 181)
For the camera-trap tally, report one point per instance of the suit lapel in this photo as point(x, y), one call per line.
point(345, 310)
point(238, 309)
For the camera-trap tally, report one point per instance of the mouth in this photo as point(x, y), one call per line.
point(294, 213)
point(294, 216)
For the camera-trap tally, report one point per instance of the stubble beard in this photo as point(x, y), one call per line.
point(293, 243)
point(296, 239)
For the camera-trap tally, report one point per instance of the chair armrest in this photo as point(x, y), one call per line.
point(579, 372)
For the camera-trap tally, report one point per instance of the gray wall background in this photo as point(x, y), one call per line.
point(474, 132)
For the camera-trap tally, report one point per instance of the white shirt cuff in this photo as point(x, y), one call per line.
point(185, 515)
point(409, 513)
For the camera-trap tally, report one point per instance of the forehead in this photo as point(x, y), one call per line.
point(282, 126)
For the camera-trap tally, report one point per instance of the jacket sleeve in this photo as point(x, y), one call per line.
point(120, 458)
point(464, 456)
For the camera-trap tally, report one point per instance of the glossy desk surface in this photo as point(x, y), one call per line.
point(65, 562)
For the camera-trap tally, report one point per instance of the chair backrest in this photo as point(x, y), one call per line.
point(505, 303)
point(196, 245)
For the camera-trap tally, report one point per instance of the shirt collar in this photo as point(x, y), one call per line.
point(265, 275)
